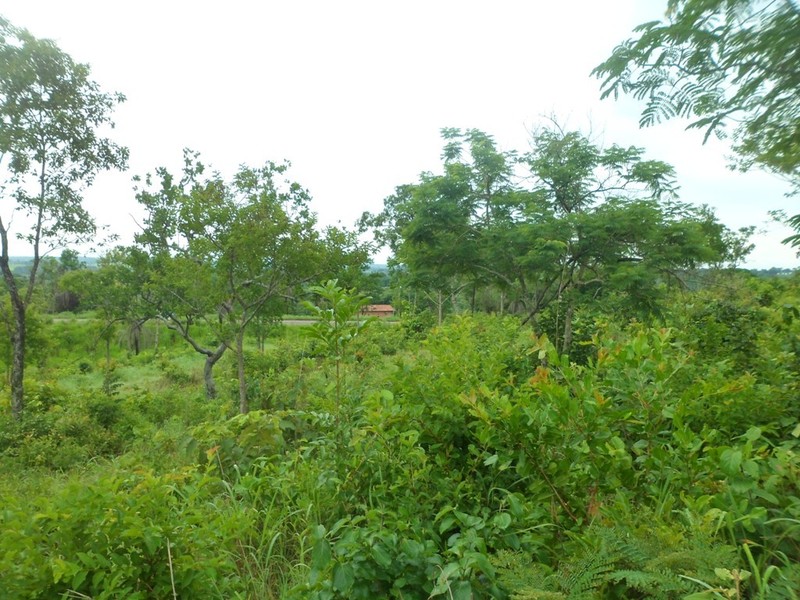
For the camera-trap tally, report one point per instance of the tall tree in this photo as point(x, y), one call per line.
point(435, 227)
point(720, 63)
point(50, 150)
point(597, 220)
point(582, 222)
point(228, 252)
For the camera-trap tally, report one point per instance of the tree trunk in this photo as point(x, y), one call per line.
point(439, 306)
point(18, 332)
point(108, 349)
point(243, 408)
point(208, 376)
point(568, 314)
point(136, 333)
point(18, 360)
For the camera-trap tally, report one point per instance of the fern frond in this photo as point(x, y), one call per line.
point(525, 580)
point(582, 578)
point(655, 584)
point(537, 595)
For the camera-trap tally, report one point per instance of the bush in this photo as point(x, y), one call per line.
point(59, 431)
point(123, 536)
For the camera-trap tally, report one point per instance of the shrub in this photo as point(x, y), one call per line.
point(123, 536)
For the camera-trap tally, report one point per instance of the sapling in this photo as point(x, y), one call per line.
point(339, 322)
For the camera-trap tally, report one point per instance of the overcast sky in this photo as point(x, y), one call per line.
point(354, 93)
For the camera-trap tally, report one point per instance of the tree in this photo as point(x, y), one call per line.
point(339, 322)
point(433, 227)
point(51, 272)
point(50, 150)
point(115, 291)
point(583, 222)
point(717, 63)
point(226, 253)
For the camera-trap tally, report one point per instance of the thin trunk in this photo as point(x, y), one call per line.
point(243, 407)
point(20, 304)
point(208, 367)
point(338, 385)
point(108, 350)
point(18, 331)
point(440, 306)
point(18, 360)
point(136, 333)
point(502, 302)
point(568, 314)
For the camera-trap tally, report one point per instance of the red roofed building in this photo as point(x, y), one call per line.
point(378, 310)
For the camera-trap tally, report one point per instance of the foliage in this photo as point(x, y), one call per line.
point(59, 432)
point(131, 536)
point(476, 461)
point(339, 321)
point(232, 253)
point(720, 62)
point(587, 222)
point(51, 113)
point(651, 559)
point(115, 291)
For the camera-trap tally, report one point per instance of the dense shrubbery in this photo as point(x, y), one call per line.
point(124, 535)
point(472, 462)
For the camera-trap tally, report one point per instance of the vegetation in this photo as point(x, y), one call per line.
point(475, 461)
point(580, 398)
point(578, 224)
point(717, 63)
point(237, 251)
point(50, 113)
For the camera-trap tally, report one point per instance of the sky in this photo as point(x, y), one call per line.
point(354, 94)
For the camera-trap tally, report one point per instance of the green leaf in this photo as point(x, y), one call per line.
point(491, 460)
point(750, 468)
point(343, 578)
point(723, 574)
point(461, 590)
point(730, 461)
point(752, 434)
point(502, 520)
point(320, 554)
point(381, 556)
point(151, 542)
point(412, 548)
point(443, 580)
point(79, 578)
point(447, 523)
point(60, 567)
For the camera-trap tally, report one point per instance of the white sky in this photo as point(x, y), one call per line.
point(354, 93)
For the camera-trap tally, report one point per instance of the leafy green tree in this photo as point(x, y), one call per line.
point(339, 321)
point(51, 270)
point(228, 253)
point(51, 148)
point(583, 222)
point(114, 291)
point(720, 63)
point(434, 227)
point(599, 221)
